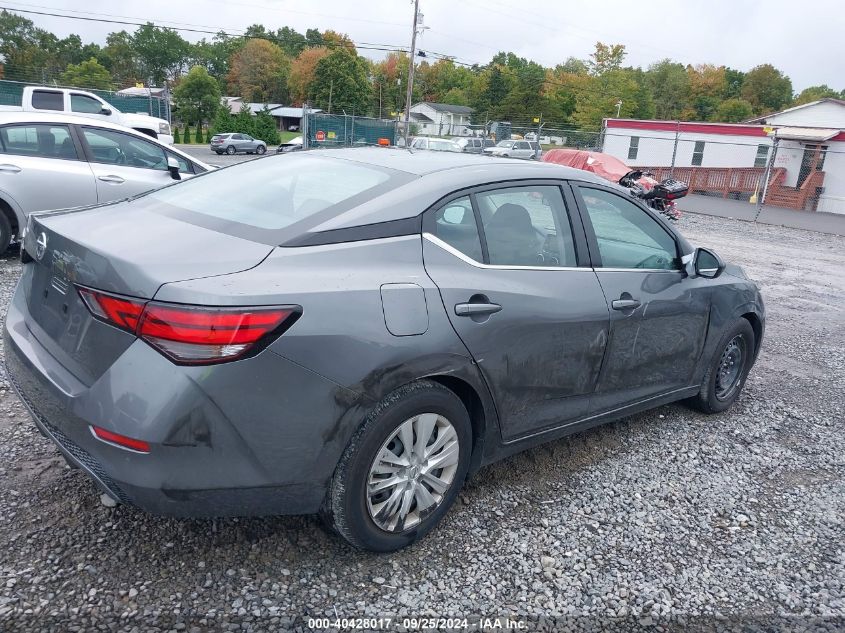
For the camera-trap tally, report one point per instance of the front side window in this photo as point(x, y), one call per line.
point(522, 226)
point(48, 100)
point(455, 224)
point(85, 104)
point(627, 236)
point(117, 148)
point(698, 153)
point(45, 141)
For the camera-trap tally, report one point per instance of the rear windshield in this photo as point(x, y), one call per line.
point(276, 192)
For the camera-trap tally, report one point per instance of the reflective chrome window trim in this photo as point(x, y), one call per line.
point(469, 260)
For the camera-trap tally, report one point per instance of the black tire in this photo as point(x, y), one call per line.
point(5, 232)
point(715, 396)
point(260, 150)
point(346, 506)
point(231, 150)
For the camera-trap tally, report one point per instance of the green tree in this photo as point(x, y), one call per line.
point(161, 53)
point(342, 78)
point(733, 83)
point(733, 111)
point(87, 74)
point(244, 122)
point(600, 96)
point(668, 83)
point(176, 137)
point(197, 96)
point(199, 138)
point(264, 127)
point(120, 58)
point(223, 122)
point(188, 135)
point(766, 88)
point(814, 93)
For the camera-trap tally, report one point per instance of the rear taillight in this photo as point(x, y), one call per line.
point(194, 335)
point(122, 441)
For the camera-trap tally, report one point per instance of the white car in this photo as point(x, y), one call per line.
point(435, 144)
point(515, 149)
point(54, 161)
point(87, 104)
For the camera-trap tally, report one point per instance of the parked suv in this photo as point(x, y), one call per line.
point(515, 149)
point(475, 145)
point(232, 143)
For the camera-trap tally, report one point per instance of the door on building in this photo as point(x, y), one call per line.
point(812, 160)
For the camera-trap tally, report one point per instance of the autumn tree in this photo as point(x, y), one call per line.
point(258, 72)
point(302, 71)
point(707, 87)
point(669, 85)
point(88, 74)
point(606, 57)
point(766, 88)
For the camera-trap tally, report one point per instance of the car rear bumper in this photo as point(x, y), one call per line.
point(220, 456)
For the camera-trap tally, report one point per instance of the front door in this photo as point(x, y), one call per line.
point(123, 164)
point(658, 315)
point(533, 319)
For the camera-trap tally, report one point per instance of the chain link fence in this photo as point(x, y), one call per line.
point(790, 173)
point(11, 94)
point(339, 130)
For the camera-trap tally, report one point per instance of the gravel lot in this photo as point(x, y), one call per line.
point(664, 518)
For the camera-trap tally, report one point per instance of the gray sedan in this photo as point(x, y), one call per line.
point(233, 143)
point(356, 331)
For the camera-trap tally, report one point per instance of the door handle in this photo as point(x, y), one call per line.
point(10, 169)
point(116, 180)
point(625, 304)
point(474, 309)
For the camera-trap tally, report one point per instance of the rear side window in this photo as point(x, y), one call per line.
point(48, 100)
point(274, 193)
point(455, 224)
point(44, 141)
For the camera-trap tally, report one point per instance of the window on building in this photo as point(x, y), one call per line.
point(698, 153)
point(762, 156)
point(634, 147)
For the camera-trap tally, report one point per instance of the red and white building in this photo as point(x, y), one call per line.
point(730, 159)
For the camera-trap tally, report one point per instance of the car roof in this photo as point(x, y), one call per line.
point(438, 174)
point(10, 117)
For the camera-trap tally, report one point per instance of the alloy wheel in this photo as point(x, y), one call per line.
point(412, 471)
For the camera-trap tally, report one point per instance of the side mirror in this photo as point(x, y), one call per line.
point(173, 168)
point(707, 264)
point(106, 111)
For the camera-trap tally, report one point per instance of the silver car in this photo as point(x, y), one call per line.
point(355, 331)
point(515, 149)
point(54, 161)
point(232, 143)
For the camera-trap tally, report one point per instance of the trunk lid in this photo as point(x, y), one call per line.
point(125, 249)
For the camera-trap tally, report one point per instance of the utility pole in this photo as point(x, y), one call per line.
point(410, 89)
point(618, 107)
point(331, 87)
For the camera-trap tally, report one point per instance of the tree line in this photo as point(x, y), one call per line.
point(324, 69)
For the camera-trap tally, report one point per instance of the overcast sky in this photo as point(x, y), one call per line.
point(803, 39)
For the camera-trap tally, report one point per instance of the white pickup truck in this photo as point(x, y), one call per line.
point(81, 103)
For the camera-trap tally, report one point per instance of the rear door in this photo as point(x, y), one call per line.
point(124, 165)
point(510, 263)
point(658, 315)
point(42, 167)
